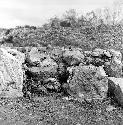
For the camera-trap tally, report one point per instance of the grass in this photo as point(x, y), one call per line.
point(54, 110)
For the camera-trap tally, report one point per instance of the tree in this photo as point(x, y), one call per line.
point(113, 14)
point(55, 22)
point(71, 16)
point(98, 15)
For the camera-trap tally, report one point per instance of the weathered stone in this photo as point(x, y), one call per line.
point(47, 68)
point(89, 82)
point(10, 72)
point(12, 93)
point(52, 84)
point(87, 53)
point(110, 108)
point(56, 54)
point(71, 70)
point(99, 52)
point(18, 55)
point(73, 56)
point(100, 71)
point(115, 89)
point(114, 68)
point(35, 56)
point(117, 56)
point(97, 57)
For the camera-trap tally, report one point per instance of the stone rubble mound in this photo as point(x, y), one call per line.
point(85, 75)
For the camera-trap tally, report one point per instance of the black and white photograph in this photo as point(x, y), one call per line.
point(61, 62)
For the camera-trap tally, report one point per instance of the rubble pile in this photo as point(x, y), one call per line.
point(87, 76)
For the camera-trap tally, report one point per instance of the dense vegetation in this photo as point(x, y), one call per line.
point(87, 32)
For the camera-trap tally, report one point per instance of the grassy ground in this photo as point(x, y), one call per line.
point(50, 110)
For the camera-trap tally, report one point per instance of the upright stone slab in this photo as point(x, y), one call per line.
point(11, 74)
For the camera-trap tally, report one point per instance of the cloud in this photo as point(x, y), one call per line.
point(37, 12)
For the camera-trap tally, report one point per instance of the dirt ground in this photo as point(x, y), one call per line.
point(51, 110)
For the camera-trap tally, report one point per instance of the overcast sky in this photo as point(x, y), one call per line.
point(36, 12)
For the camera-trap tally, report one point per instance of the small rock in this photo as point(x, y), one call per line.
point(52, 84)
point(78, 124)
point(110, 108)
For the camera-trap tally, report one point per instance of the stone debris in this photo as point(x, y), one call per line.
point(83, 75)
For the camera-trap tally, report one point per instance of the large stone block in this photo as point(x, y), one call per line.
point(115, 89)
point(89, 81)
point(11, 73)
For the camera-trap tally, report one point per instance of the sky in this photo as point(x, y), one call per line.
point(37, 12)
